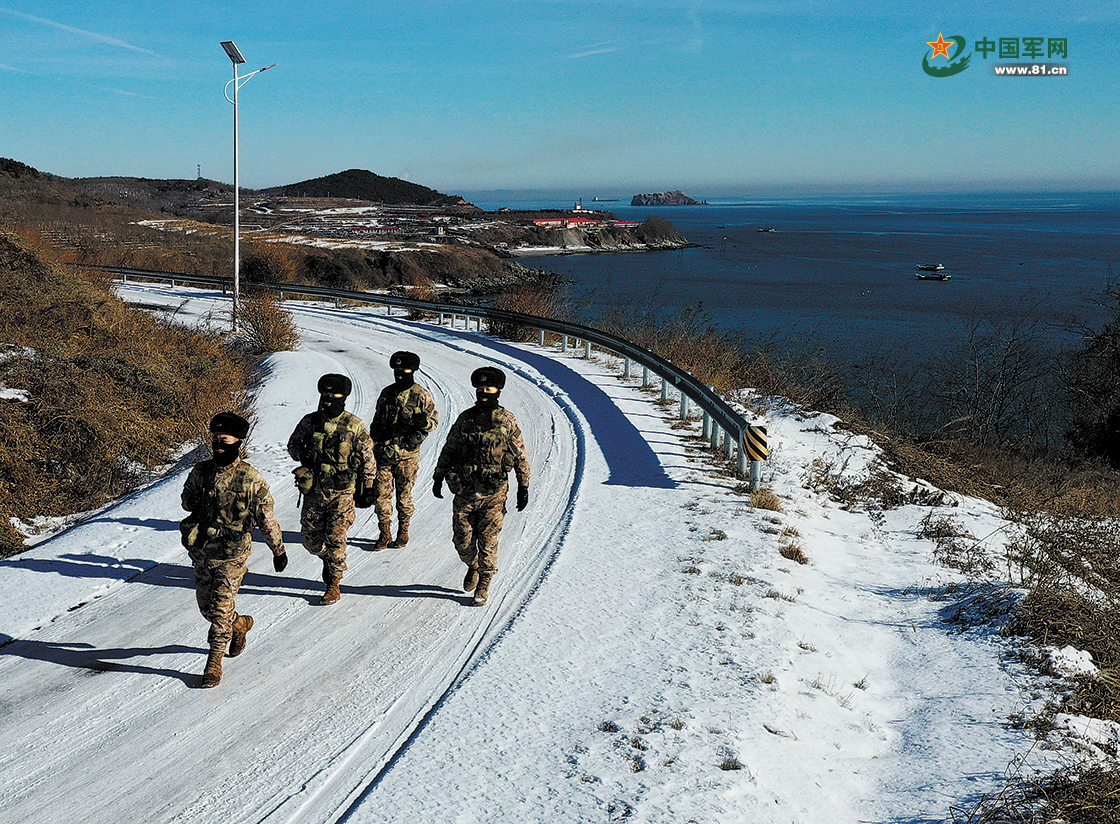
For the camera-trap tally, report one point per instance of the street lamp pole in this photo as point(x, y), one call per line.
point(238, 81)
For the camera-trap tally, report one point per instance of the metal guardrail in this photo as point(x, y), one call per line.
point(723, 427)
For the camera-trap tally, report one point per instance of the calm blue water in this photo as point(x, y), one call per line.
point(841, 269)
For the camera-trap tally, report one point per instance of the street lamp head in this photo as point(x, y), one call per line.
point(233, 52)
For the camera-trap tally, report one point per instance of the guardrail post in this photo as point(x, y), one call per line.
point(564, 345)
point(541, 337)
point(706, 426)
point(587, 349)
point(758, 451)
point(645, 375)
point(664, 390)
point(626, 371)
point(338, 303)
point(717, 432)
point(684, 406)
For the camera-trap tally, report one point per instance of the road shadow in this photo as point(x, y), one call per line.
point(404, 591)
point(630, 459)
point(98, 661)
point(93, 567)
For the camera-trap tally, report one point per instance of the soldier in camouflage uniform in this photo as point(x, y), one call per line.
point(404, 417)
point(484, 444)
point(227, 498)
point(335, 455)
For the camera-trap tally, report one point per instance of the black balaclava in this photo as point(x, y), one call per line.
point(227, 423)
point(403, 378)
point(487, 376)
point(332, 405)
point(225, 453)
point(486, 400)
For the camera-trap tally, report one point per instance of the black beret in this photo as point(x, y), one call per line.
point(404, 360)
point(488, 376)
point(333, 384)
point(227, 423)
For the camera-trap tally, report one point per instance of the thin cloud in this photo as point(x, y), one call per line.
point(121, 92)
point(99, 38)
point(594, 49)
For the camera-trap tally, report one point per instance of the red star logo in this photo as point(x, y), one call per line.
point(940, 46)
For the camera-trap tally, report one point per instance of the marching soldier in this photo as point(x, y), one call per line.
point(227, 498)
point(404, 417)
point(484, 444)
point(335, 455)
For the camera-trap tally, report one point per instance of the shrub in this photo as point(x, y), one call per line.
point(530, 299)
point(112, 391)
point(265, 323)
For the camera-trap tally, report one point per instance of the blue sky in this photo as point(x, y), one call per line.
point(614, 98)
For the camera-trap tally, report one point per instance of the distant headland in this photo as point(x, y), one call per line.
point(676, 198)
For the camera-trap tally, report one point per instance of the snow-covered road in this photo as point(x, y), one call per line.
point(99, 704)
point(646, 655)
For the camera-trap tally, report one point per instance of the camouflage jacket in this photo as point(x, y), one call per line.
point(482, 447)
point(337, 450)
point(402, 421)
point(226, 503)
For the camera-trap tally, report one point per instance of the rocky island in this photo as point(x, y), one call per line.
point(674, 198)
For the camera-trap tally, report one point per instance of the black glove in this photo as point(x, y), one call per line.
point(366, 498)
point(437, 488)
point(280, 561)
point(522, 497)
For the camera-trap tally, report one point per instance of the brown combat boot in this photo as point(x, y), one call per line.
point(333, 593)
point(471, 581)
point(402, 535)
point(212, 675)
point(241, 626)
point(385, 536)
point(482, 590)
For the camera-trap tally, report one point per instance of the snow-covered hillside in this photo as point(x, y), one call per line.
point(647, 653)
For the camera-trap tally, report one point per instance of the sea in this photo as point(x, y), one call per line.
point(840, 271)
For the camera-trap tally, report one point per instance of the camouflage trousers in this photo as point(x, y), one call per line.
point(475, 524)
point(215, 587)
point(324, 522)
point(399, 476)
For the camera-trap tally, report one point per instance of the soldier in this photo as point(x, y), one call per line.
point(226, 498)
point(335, 455)
point(404, 417)
point(484, 444)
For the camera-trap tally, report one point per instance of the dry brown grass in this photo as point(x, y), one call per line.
point(793, 552)
point(765, 499)
point(538, 300)
point(265, 324)
point(112, 391)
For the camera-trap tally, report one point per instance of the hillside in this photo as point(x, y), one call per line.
point(106, 391)
point(359, 184)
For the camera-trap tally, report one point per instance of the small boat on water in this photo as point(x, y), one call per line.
point(931, 267)
point(934, 276)
point(765, 229)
